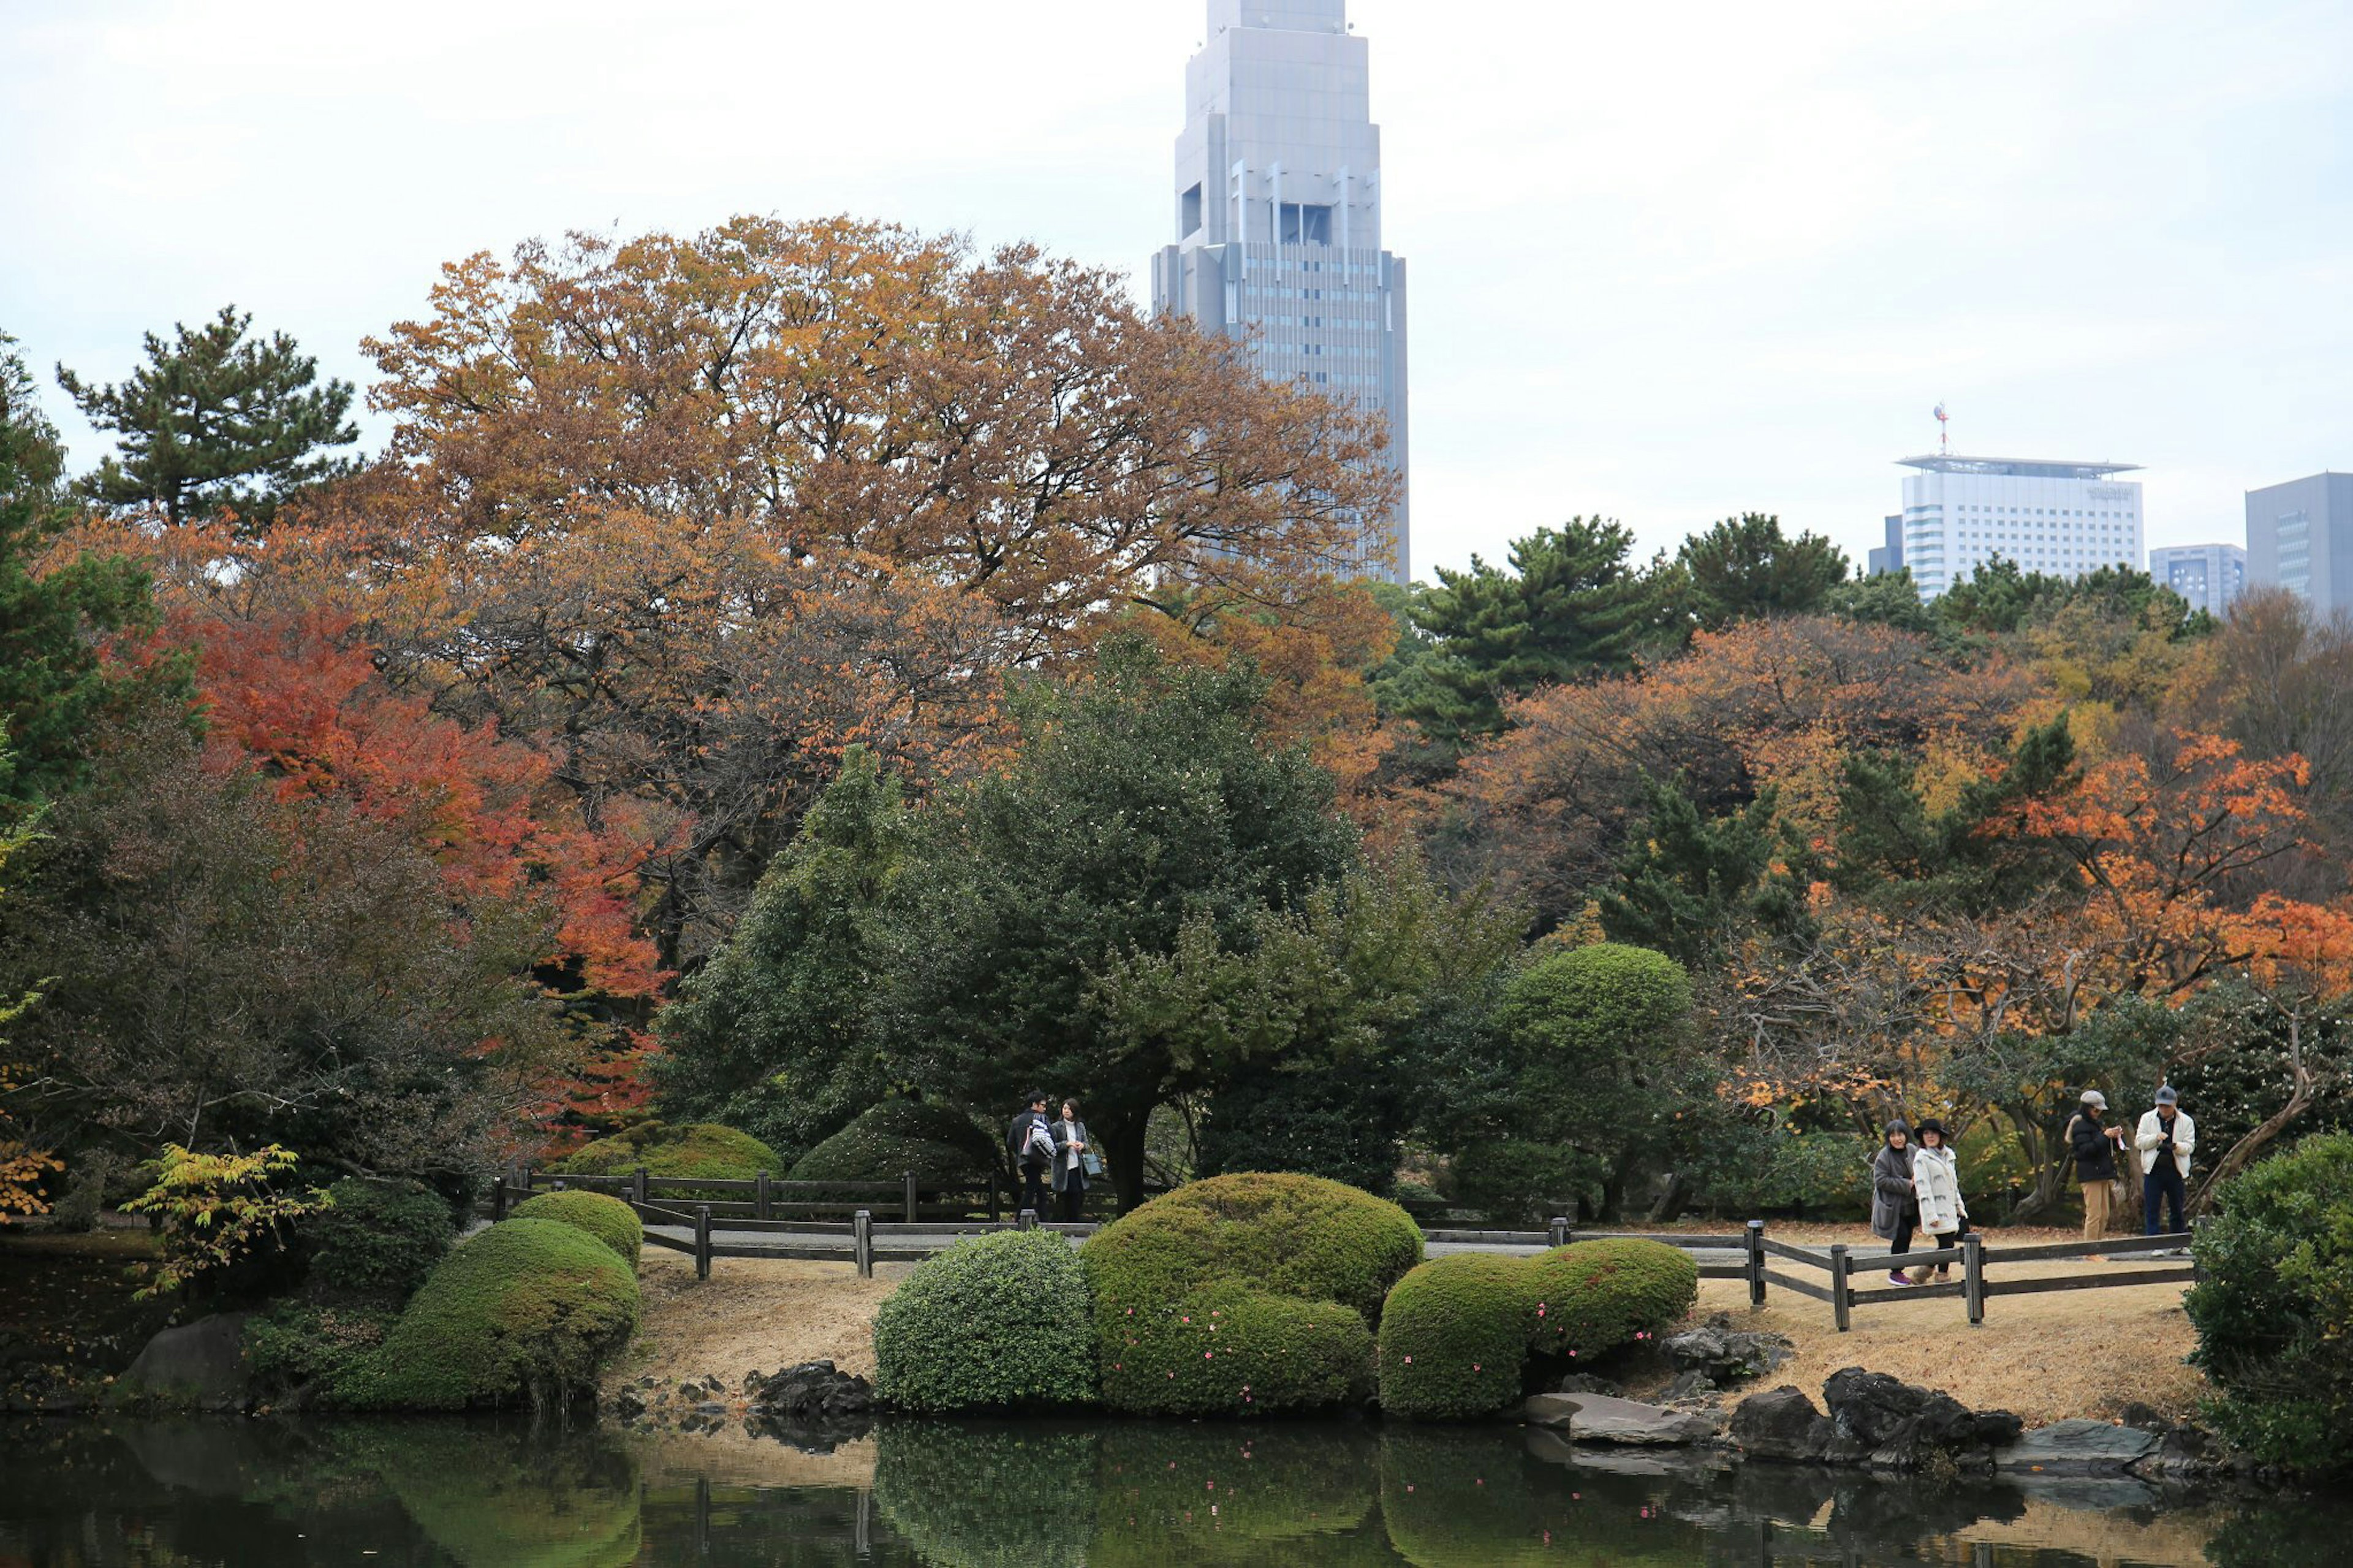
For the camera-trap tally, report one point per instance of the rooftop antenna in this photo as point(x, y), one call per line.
point(1944, 446)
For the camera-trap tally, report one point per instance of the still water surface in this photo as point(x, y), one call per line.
point(276, 1494)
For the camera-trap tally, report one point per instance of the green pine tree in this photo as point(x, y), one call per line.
point(1745, 567)
point(216, 421)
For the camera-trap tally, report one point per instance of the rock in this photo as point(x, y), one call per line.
point(2077, 1448)
point(2183, 1452)
point(2148, 1417)
point(1782, 1423)
point(1891, 1424)
point(1724, 1356)
point(1688, 1387)
point(1586, 1383)
point(201, 1364)
point(629, 1405)
point(1599, 1418)
point(813, 1389)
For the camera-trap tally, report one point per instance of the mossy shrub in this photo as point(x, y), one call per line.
point(941, 1145)
point(608, 1219)
point(1454, 1337)
point(1228, 1350)
point(378, 1241)
point(1593, 1296)
point(526, 1312)
point(1285, 1235)
point(998, 1320)
point(702, 1149)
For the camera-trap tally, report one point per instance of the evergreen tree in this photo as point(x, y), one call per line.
point(1569, 608)
point(1746, 566)
point(1688, 881)
point(216, 421)
point(56, 680)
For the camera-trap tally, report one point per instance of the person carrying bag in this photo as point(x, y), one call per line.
point(1936, 1182)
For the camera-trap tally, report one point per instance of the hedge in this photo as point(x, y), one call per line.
point(1454, 1337)
point(608, 1219)
point(997, 1320)
point(1594, 1296)
point(379, 1241)
point(941, 1145)
point(2275, 1303)
point(695, 1149)
point(526, 1312)
point(1228, 1350)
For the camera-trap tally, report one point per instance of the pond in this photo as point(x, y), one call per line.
point(263, 1494)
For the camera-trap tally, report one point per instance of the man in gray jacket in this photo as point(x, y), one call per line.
point(2165, 1140)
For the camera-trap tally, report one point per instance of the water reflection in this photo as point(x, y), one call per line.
point(1124, 1495)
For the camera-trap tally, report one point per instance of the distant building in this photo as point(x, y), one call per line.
point(2059, 519)
point(2300, 538)
point(2209, 576)
point(1889, 557)
point(1278, 210)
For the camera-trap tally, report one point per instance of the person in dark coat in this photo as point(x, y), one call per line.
point(1074, 1161)
point(2093, 1144)
point(1895, 1206)
point(1031, 1145)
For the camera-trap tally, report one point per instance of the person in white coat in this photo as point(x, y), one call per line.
point(2165, 1140)
point(1937, 1181)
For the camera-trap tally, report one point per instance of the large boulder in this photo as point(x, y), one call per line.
point(1725, 1355)
point(1782, 1423)
point(1599, 1418)
point(2078, 1448)
point(201, 1365)
point(1875, 1421)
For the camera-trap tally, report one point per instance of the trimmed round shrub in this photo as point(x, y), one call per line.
point(1454, 1337)
point(2276, 1305)
point(939, 1144)
point(1594, 1296)
point(694, 1148)
point(1024, 1498)
point(1288, 1235)
point(526, 1312)
point(997, 1320)
point(608, 1219)
point(380, 1239)
point(1228, 1350)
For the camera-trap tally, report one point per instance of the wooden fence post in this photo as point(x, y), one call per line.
point(911, 1197)
point(760, 1196)
point(1559, 1230)
point(862, 1242)
point(703, 1241)
point(996, 1210)
point(637, 1187)
point(1026, 1220)
point(498, 1199)
point(527, 1178)
point(1841, 1306)
point(1756, 1263)
point(1973, 1277)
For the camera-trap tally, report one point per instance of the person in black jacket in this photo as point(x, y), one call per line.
point(1031, 1145)
point(1895, 1206)
point(2093, 1144)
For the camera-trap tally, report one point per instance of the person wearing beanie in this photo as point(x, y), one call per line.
point(2165, 1140)
point(2093, 1144)
point(1893, 1208)
point(1937, 1185)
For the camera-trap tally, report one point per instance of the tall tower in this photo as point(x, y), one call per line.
point(1278, 208)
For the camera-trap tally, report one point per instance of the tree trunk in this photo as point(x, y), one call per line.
point(2254, 1143)
point(1122, 1133)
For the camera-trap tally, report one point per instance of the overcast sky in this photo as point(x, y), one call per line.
point(1669, 261)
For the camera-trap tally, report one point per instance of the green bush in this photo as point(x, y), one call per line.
point(1455, 1335)
point(1228, 1350)
point(1521, 1181)
point(1592, 1297)
point(942, 1146)
point(1034, 1506)
point(296, 1342)
point(997, 1320)
point(696, 1149)
point(2275, 1304)
point(380, 1239)
point(525, 1312)
point(608, 1219)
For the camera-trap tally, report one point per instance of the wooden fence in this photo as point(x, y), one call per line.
point(1841, 1263)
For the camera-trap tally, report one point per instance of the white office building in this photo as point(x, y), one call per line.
point(2209, 576)
point(2062, 519)
point(1278, 213)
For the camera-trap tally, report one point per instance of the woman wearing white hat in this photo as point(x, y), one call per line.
point(2093, 1145)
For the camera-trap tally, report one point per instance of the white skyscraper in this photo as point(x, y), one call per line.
point(1278, 208)
point(2062, 519)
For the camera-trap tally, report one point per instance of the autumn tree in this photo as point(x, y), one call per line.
point(1746, 566)
point(216, 419)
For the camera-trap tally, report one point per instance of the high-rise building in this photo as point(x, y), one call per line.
point(2059, 519)
point(2300, 538)
point(1889, 557)
point(1278, 210)
point(2209, 576)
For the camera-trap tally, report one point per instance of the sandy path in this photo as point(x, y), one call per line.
point(753, 1314)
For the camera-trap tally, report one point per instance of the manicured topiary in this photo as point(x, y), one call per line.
point(1594, 1296)
point(939, 1144)
point(1228, 1350)
point(608, 1219)
point(1454, 1337)
point(378, 1241)
point(997, 1321)
point(694, 1149)
point(524, 1313)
